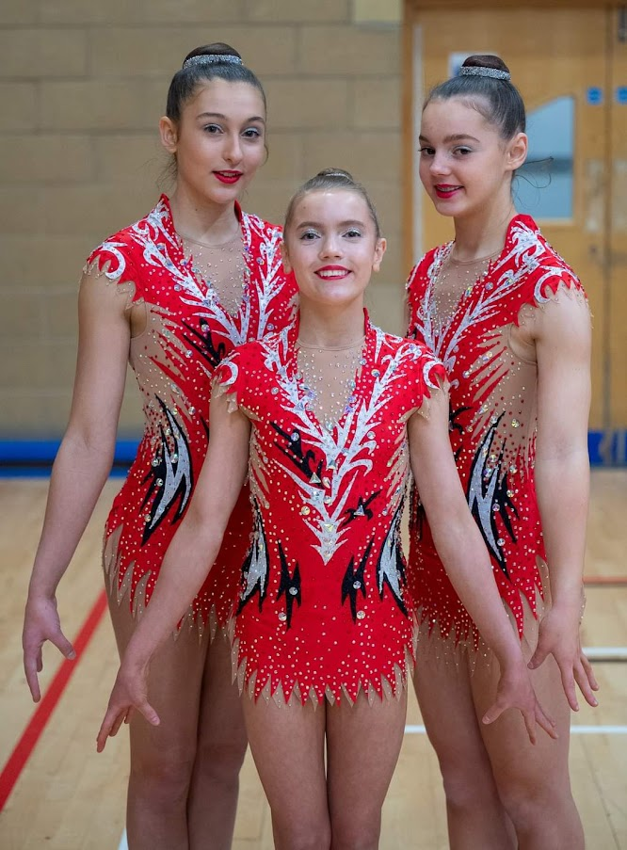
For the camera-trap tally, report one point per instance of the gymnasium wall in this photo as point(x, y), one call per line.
point(82, 87)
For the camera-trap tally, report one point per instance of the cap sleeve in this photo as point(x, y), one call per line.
point(428, 376)
point(228, 379)
point(111, 260)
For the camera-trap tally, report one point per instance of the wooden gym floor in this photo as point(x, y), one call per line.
point(58, 793)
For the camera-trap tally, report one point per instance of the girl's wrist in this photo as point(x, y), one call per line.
point(570, 600)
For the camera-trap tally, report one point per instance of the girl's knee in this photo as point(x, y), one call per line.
point(529, 802)
point(358, 833)
point(302, 837)
point(161, 775)
point(468, 787)
point(222, 757)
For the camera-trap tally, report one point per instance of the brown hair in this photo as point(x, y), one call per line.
point(185, 82)
point(497, 100)
point(330, 179)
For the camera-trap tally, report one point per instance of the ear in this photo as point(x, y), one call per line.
point(285, 257)
point(169, 134)
point(517, 151)
point(379, 251)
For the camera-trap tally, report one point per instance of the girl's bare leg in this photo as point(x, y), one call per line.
point(220, 752)
point(533, 781)
point(162, 757)
point(287, 743)
point(476, 818)
point(363, 743)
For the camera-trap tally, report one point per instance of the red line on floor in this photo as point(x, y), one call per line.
point(25, 746)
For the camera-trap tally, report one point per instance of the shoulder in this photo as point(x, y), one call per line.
point(261, 228)
point(116, 256)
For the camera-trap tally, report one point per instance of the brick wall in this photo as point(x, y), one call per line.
point(82, 87)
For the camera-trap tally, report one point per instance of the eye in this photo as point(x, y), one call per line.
point(462, 151)
point(252, 133)
point(353, 233)
point(308, 236)
point(212, 128)
point(426, 151)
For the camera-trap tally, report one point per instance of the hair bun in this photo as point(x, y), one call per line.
point(213, 54)
point(340, 173)
point(485, 60)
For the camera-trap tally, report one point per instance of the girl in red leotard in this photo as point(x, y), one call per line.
point(172, 294)
point(326, 417)
point(510, 322)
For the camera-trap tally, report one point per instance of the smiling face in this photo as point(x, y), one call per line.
point(219, 142)
point(332, 247)
point(466, 166)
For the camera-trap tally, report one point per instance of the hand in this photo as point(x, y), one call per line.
point(129, 693)
point(559, 636)
point(41, 623)
point(516, 691)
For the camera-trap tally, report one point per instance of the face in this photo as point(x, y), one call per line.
point(219, 142)
point(465, 165)
point(332, 247)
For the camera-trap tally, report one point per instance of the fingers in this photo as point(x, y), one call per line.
point(568, 683)
point(586, 680)
point(63, 645)
point(109, 728)
point(32, 666)
point(33, 657)
point(116, 715)
point(544, 721)
point(494, 712)
point(530, 726)
point(538, 656)
point(149, 713)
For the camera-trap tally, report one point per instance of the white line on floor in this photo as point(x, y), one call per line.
point(575, 730)
point(594, 652)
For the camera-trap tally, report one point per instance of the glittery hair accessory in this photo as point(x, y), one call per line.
point(212, 59)
point(476, 71)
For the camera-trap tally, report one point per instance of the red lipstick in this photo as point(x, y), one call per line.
point(228, 177)
point(446, 191)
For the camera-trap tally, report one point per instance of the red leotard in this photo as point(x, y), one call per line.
point(323, 610)
point(493, 421)
point(187, 334)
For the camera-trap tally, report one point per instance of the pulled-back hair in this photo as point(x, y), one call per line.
point(186, 81)
point(497, 100)
point(330, 179)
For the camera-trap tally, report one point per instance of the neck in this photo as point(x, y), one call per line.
point(482, 236)
point(202, 220)
point(331, 328)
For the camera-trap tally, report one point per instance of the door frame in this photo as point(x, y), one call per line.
point(606, 447)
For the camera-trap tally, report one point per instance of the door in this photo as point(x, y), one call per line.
point(570, 66)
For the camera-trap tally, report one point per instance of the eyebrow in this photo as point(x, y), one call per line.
point(456, 137)
point(226, 118)
point(350, 223)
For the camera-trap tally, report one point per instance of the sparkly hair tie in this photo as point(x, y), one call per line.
point(212, 59)
point(477, 71)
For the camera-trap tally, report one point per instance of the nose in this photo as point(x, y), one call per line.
point(330, 246)
point(232, 149)
point(439, 164)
